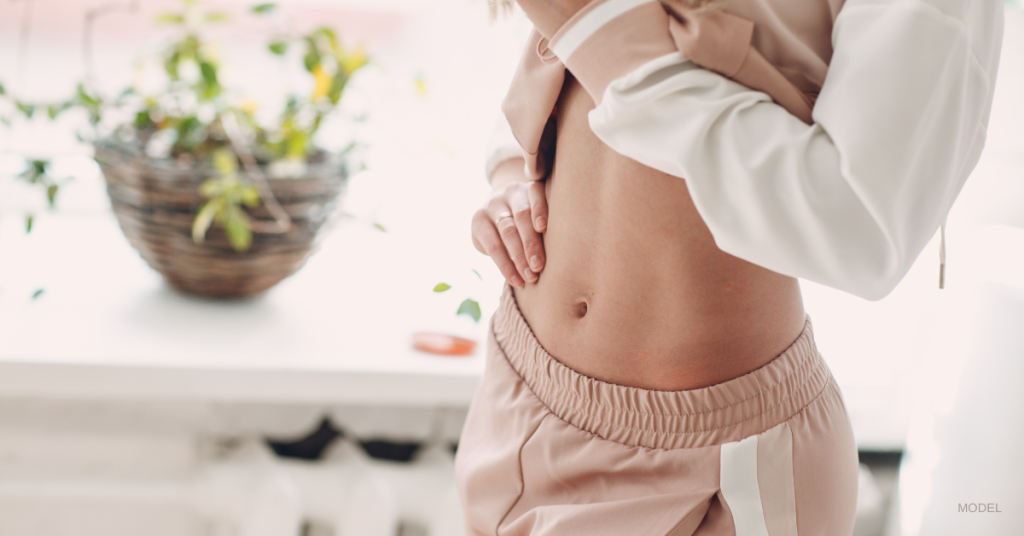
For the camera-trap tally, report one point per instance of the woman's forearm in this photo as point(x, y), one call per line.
point(550, 15)
point(851, 200)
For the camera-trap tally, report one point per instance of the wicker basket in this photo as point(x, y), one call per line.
point(155, 202)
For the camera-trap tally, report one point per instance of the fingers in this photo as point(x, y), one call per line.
point(501, 213)
point(539, 204)
point(487, 241)
point(533, 246)
point(509, 230)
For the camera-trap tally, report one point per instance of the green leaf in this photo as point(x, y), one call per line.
point(380, 227)
point(250, 196)
point(328, 33)
point(27, 109)
point(84, 96)
point(469, 307)
point(191, 133)
point(39, 167)
point(35, 171)
point(29, 220)
point(143, 120)
point(337, 85)
point(312, 57)
point(171, 65)
point(478, 276)
point(311, 60)
point(349, 148)
point(216, 16)
point(351, 62)
point(3, 90)
point(170, 18)
point(51, 193)
point(222, 213)
point(237, 227)
point(441, 287)
point(225, 162)
point(296, 145)
point(204, 219)
point(209, 72)
point(211, 188)
point(92, 104)
point(39, 292)
point(278, 47)
point(189, 46)
point(264, 8)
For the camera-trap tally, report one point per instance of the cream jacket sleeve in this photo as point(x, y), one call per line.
point(848, 201)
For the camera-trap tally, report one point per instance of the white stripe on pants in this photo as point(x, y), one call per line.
point(757, 472)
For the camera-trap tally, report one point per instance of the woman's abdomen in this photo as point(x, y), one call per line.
point(634, 290)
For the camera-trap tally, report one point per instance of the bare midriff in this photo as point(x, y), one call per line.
point(634, 291)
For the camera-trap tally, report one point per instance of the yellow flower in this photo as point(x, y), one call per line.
point(323, 83)
point(249, 106)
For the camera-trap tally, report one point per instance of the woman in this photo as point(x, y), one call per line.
point(651, 369)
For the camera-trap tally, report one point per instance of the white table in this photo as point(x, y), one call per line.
point(106, 326)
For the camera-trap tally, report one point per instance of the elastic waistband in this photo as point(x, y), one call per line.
point(729, 411)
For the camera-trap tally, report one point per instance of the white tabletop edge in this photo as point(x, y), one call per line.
point(95, 382)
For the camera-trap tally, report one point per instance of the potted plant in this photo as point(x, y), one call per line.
point(218, 203)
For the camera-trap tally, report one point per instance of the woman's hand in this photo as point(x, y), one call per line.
point(508, 227)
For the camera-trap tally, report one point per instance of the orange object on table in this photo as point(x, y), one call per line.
point(442, 344)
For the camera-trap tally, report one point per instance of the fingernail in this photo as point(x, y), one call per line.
point(541, 223)
point(535, 263)
point(529, 275)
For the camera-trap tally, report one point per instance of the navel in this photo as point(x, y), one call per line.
point(580, 309)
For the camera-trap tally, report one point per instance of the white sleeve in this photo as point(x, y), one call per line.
point(851, 200)
point(502, 147)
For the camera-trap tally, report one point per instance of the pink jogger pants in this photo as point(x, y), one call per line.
point(548, 451)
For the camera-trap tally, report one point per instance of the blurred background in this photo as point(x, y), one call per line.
point(330, 402)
